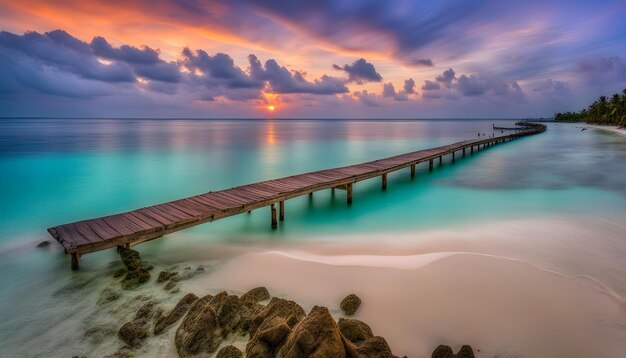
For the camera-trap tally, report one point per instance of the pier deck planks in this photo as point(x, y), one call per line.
point(155, 221)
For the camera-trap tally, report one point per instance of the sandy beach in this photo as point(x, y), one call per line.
point(607, 128)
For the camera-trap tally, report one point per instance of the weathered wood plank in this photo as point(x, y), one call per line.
point(151, 222)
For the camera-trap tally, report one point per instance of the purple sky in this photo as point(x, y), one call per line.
point(308, 59)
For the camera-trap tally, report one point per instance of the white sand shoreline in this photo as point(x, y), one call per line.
point(607, 128)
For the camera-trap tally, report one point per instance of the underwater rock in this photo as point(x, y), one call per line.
point(166, 276)
point(169, 318)
point(134, 332)
point(98, 333)
point(350, 304)
point(108, 295)
point(44, 243)
point(119, 272)
point(137, 273)
point(169, 285)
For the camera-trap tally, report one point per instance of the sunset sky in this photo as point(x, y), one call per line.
point(308, 59)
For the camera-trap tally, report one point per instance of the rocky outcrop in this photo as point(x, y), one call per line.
point(268, 338)
point(200, 330)
point(228, 310)
point(375, 347)
point(134, 332)
point(108, 295)
point(290, 311)
point(229, 351)
point(170, 317)
point(255, 295)
point(447, 352)
point(136, 272)
point(317, 335)
point(354, 330)
point(166, 275)
point(350, 304)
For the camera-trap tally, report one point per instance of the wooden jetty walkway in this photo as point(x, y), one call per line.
point(134, 227)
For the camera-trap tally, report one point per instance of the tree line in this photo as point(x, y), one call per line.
point(602, 111)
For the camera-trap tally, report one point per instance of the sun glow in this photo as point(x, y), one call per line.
point(270, 108)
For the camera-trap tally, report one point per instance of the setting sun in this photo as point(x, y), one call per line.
point(271, 108)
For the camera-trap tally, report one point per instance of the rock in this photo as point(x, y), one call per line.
point(465, 352)
point(354, 330)
point(447, 352)
point(228, 310)
point(317, 335)
point(199, 331)
point(175, 313)
point(229, 351)
point(350, 304)
point(108, 295)
point(188, 273)
point(44, 243)
point(166, 275)
point(123, 352)
point(375, 347)
point(256, 295)
point(137, 273)
point(134, 332)
point(268, 338)
point(97, 334)
point(169, 285)
point(278, 307)
point(443, 352)
point(119, 272)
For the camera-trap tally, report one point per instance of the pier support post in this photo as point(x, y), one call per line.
point(349, 193)
point(74, 260)
point(440, 160)
point(311, 195)
point(463, 151)
point(430, 165)
point(274, 223)
point(384, 177)
point(281, 211)
point(472, 150)
point(453, 157)
point(412, 170)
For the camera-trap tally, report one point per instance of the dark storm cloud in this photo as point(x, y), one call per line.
point(360, 71)
point(62, 51)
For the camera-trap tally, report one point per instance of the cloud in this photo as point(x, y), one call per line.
point(360, 71)
point(422, 62)
point(600, 71)
point(446, 77)
point(431, 85)
point(283, 81)
point(219, 70)
point(367, 98)
point(409, 86)
point(553, 87)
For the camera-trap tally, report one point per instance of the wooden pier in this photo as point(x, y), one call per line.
point(134, 227)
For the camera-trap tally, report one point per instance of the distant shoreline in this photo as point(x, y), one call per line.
point(607, 128)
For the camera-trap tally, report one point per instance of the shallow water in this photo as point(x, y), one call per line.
point(554, 200)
